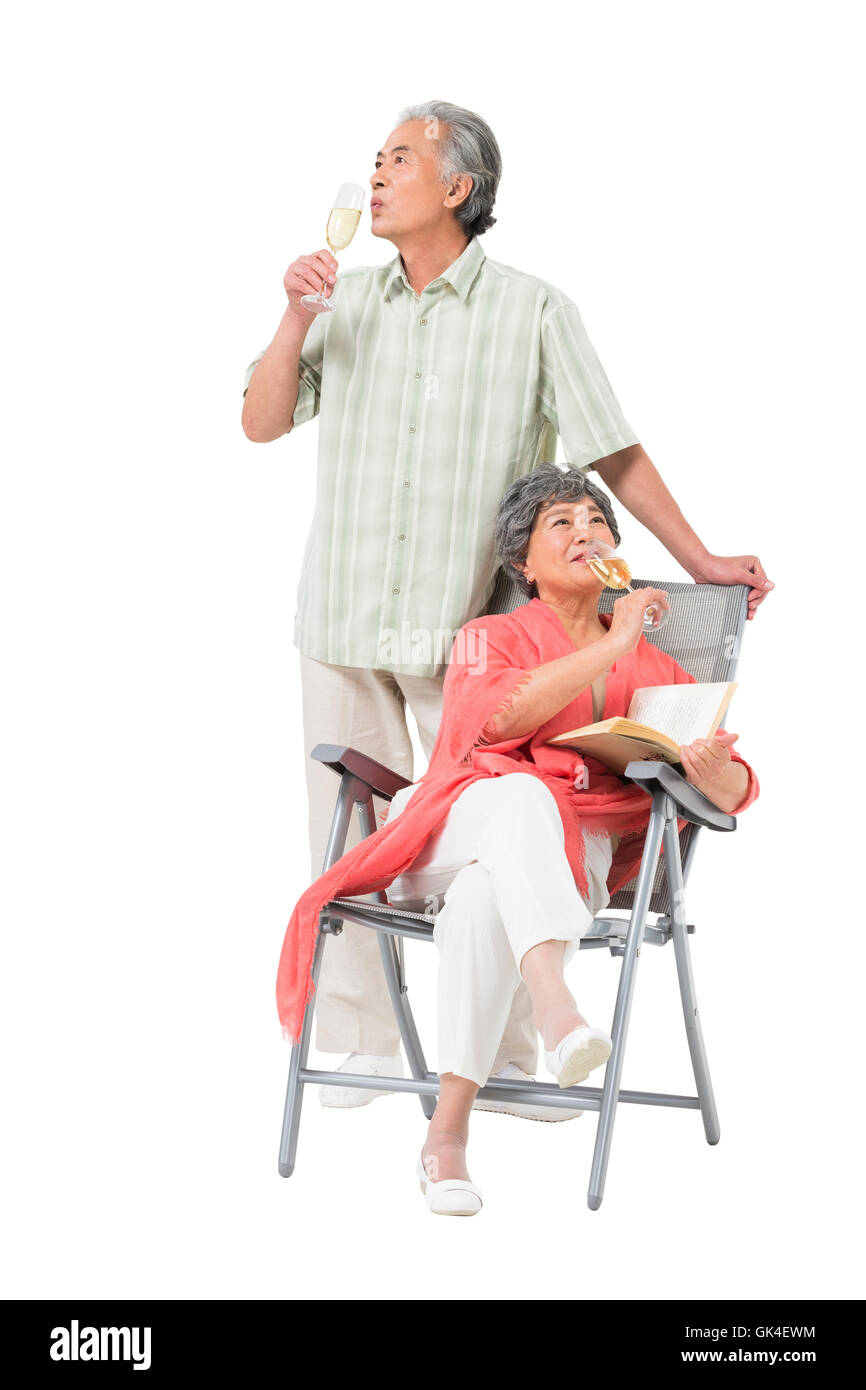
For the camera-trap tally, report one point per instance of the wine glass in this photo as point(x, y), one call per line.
point(614, 573)
point(342, 225)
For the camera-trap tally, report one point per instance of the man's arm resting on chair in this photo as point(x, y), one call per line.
point(635, 481)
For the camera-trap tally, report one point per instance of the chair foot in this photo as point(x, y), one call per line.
point(712, 1131)
point(593, 1201)
point(286, 1170)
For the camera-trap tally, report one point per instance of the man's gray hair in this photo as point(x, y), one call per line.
point(466, 145)
point(548, 483)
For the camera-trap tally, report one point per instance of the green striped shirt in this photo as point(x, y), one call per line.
point(429, 406)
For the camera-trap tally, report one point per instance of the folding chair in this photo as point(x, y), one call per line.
point(703, 634)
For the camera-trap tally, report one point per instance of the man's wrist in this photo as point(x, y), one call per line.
point(294, 326)
point(698, 562)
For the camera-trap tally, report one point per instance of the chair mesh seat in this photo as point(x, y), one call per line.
point(397, 915)
point(383, 909)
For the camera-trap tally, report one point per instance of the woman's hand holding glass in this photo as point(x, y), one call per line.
point(627, 624)
point(614, 573)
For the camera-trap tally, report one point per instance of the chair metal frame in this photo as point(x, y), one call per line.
point(660, 884)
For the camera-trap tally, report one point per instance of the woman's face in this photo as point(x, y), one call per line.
point(560, 533)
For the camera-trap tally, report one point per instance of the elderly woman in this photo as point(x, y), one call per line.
point(526, 840)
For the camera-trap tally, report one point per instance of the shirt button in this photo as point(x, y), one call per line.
point(395, 591)
point(417, 376)
point(423, 323)
point(406, 482)
point(401, 537)
point(411, 429)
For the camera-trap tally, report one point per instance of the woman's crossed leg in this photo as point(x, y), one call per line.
point(512, 914)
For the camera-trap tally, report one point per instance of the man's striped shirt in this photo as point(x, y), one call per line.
point(429, 406)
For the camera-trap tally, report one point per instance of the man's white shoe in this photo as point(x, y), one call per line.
point(360, 1064)
point(549, 1113)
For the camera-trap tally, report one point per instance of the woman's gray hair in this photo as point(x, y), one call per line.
point(547, 484)
point(466, 145)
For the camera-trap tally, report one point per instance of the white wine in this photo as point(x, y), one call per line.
point(342, 225)
point(343, 222)
point(613, 572)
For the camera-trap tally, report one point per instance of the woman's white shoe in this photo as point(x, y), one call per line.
point(450, 1196)
point(579, 1052)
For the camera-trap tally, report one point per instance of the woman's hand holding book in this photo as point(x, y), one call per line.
point(708, 765)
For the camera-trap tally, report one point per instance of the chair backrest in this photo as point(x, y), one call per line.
point(703, 634)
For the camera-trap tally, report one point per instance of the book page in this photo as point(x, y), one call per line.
point(683, 712)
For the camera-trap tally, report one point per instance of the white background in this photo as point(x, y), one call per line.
point(689, 174)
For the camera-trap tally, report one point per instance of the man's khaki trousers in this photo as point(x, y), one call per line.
point(366, 709)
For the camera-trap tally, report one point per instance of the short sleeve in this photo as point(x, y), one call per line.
point(248, 374)
point(574, 394)
point(309, 372)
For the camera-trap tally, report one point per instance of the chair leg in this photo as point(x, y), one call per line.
point(694, 1033)
point(405, 1019)
point(396, 986)
point(295, 1088)
point(619, 1032)
point(298, 1059)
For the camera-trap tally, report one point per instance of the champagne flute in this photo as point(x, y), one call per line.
point(614, 573)
point(342, 225)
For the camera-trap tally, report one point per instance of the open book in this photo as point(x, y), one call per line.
point(660, 718)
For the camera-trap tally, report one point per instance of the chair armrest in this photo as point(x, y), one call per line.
point(380, 779)
point(691, 804)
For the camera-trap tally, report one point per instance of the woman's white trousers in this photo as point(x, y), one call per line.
point(500, 861)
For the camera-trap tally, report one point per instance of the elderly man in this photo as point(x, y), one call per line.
point(441, 377)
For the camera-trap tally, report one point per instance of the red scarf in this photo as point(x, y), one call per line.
point(492, 656)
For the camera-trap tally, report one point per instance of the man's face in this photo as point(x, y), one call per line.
point(407, 194)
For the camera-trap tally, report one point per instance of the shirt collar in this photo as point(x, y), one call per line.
point(460, 274)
